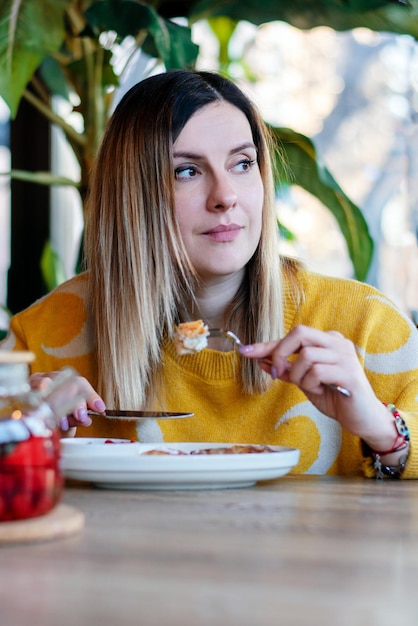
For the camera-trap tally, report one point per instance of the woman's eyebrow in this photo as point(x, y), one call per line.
point(194, 155)
point(187, 155)
point(244, 146)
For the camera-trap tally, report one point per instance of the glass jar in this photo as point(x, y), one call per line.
point(30, 478)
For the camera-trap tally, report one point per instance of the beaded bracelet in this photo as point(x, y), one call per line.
point(402, 432)
point(401, 442)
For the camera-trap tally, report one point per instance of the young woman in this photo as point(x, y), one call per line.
point(181, 226)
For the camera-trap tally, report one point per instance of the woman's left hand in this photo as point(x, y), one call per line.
point(77, 391)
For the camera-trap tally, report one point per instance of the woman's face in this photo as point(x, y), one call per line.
point(218, 190)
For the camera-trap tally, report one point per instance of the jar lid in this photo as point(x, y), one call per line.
point(16, 356)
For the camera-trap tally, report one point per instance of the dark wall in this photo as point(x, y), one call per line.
point(29, 141)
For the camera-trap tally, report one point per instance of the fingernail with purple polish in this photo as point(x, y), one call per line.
point(100, 406)
point(273, 372)
point(64, 423)
point(82, 415)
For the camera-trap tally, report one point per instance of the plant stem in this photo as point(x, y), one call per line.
point(54, 118)
point(40, 89)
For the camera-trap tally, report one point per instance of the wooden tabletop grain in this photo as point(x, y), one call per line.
point(297, 550)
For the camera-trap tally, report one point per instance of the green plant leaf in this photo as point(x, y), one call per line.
point(51, 267)
point(285, 233)
point(182, 52)
point(303, 168)
point(29, 31)
point(172, 42)
point(54, 78)
point(364, 5)
point(385, 15)
point(124, 17)
point(224, 28)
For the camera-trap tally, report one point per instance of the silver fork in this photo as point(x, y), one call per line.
point(228, 334)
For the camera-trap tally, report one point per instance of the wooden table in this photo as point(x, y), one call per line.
point(298, 550)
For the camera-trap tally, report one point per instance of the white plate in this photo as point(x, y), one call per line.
point(122, 465)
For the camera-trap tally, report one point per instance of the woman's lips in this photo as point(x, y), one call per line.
point(223, 233)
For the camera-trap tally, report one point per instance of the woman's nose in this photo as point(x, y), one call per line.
point(222, 195)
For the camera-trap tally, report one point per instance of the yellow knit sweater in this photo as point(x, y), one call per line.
point(56, 329)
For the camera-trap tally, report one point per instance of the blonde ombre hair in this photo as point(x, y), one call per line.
point(140, 273)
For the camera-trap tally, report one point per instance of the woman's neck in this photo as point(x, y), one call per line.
point(214, 297)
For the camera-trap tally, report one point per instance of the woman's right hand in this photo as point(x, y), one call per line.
point(75, 392)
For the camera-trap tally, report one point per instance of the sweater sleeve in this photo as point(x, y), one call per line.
point(15, 339)
point(386, 342)
point(56, 329)
point(391, 364)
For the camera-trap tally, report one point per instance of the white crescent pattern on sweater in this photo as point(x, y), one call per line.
point(403, 359)
point(329, 431)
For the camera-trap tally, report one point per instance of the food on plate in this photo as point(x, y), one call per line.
point(233, 449)
point(163, 453)
point(191, 337)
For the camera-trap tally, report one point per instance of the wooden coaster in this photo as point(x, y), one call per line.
point(62, 521)
point(15, 356)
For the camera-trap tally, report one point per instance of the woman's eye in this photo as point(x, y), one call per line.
point(182, 173)
point(245, 165)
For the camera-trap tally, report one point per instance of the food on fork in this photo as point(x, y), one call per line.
point(191, 337)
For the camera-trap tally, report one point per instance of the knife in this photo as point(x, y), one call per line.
point(139, 415)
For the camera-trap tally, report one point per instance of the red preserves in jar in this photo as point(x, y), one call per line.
point(30, 478)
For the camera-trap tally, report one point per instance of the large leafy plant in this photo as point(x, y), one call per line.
point(69, 48)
